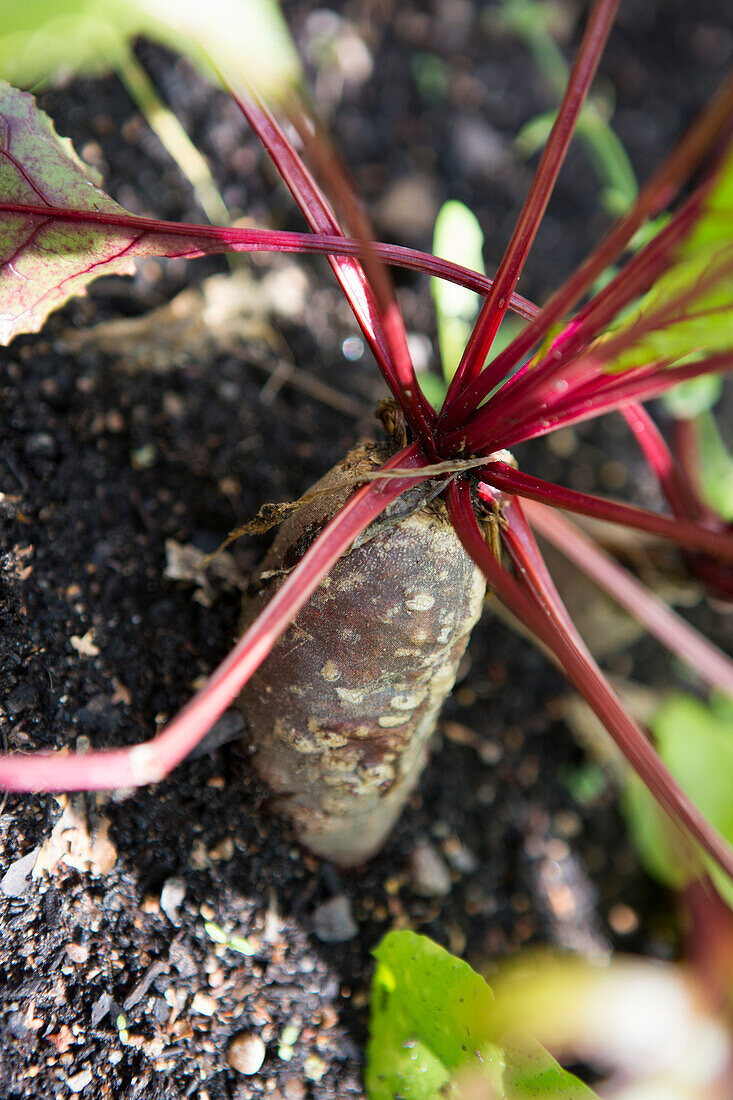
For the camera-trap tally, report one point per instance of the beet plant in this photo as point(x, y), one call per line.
point(389, 550)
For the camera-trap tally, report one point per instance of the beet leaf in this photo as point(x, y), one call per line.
point(45, 259)
point(434, 1027)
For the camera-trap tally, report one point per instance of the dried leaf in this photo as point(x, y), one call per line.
point(185, 562)
point(71, 843)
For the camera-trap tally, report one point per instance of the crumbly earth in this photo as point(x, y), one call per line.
point(183, 916)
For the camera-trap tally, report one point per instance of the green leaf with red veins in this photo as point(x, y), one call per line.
point(46, 259)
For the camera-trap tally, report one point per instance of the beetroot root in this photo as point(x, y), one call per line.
point(341, 713)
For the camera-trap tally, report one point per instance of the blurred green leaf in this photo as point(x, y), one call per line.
point(246, 39)
point(608, 155)
point(40, 39)
point(430, 1016)
point(698, 284)
point(691, 398)
point(457, 237)
point(695, 741)
point(715, 467)
point(433, 387)
point(432, 1033)
point(431, 76)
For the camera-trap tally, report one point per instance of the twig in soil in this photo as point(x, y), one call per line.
point(306, 383)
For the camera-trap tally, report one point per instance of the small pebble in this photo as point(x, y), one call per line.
point(77, 952)
point(459, 856)
point(100, 1008)
point(41, 444)
point(409, 204)
point(314, 1067)
point(203, 1004)
point(79, 1081)
point(246, 1053)
point(428, 873)
point(333, 920)
point(171, 896)
point(16, 879)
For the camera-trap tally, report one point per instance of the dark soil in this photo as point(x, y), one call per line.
point(104, 990)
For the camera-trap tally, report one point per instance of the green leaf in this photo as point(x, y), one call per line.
point(241, 40)
point(430, 1016)
point(59, 230)
point(699, 284)
point(695, 742)
point(691, 398)
point(433, 1033)
point(715, 467)
point(246, 39)
point(44, 259)
point(43, 38)
point(532, 1073)
point(457, 237)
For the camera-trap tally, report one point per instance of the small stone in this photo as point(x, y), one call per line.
point(62, 1039)
point(84, 645)
point(171, 897)
point(246, 1053)
point(459, 856)
point(479, 149)
point(223, 851)
point(294, 1089)
point(100, 1008)
point(16, 879)
point(314, 1067)
point(409, 204)
point(40, 445)
point(144, 457)
point(429, 874)
point(79, 1081)
point(77, 952)
point(333, 920)
point(203, 1004)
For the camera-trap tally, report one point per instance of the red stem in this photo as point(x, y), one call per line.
point(233, 239)
point(652, 445)
point(684, 532)
point(709, 662)
point(378, 315)
point(335, 176)
point(658, 192)
point(495, 306)
point(506, 587)
point(151, 761)
point(526, 390)
point(578, 665)
point(639, 384)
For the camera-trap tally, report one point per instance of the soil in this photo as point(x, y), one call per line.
point(119, 976)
